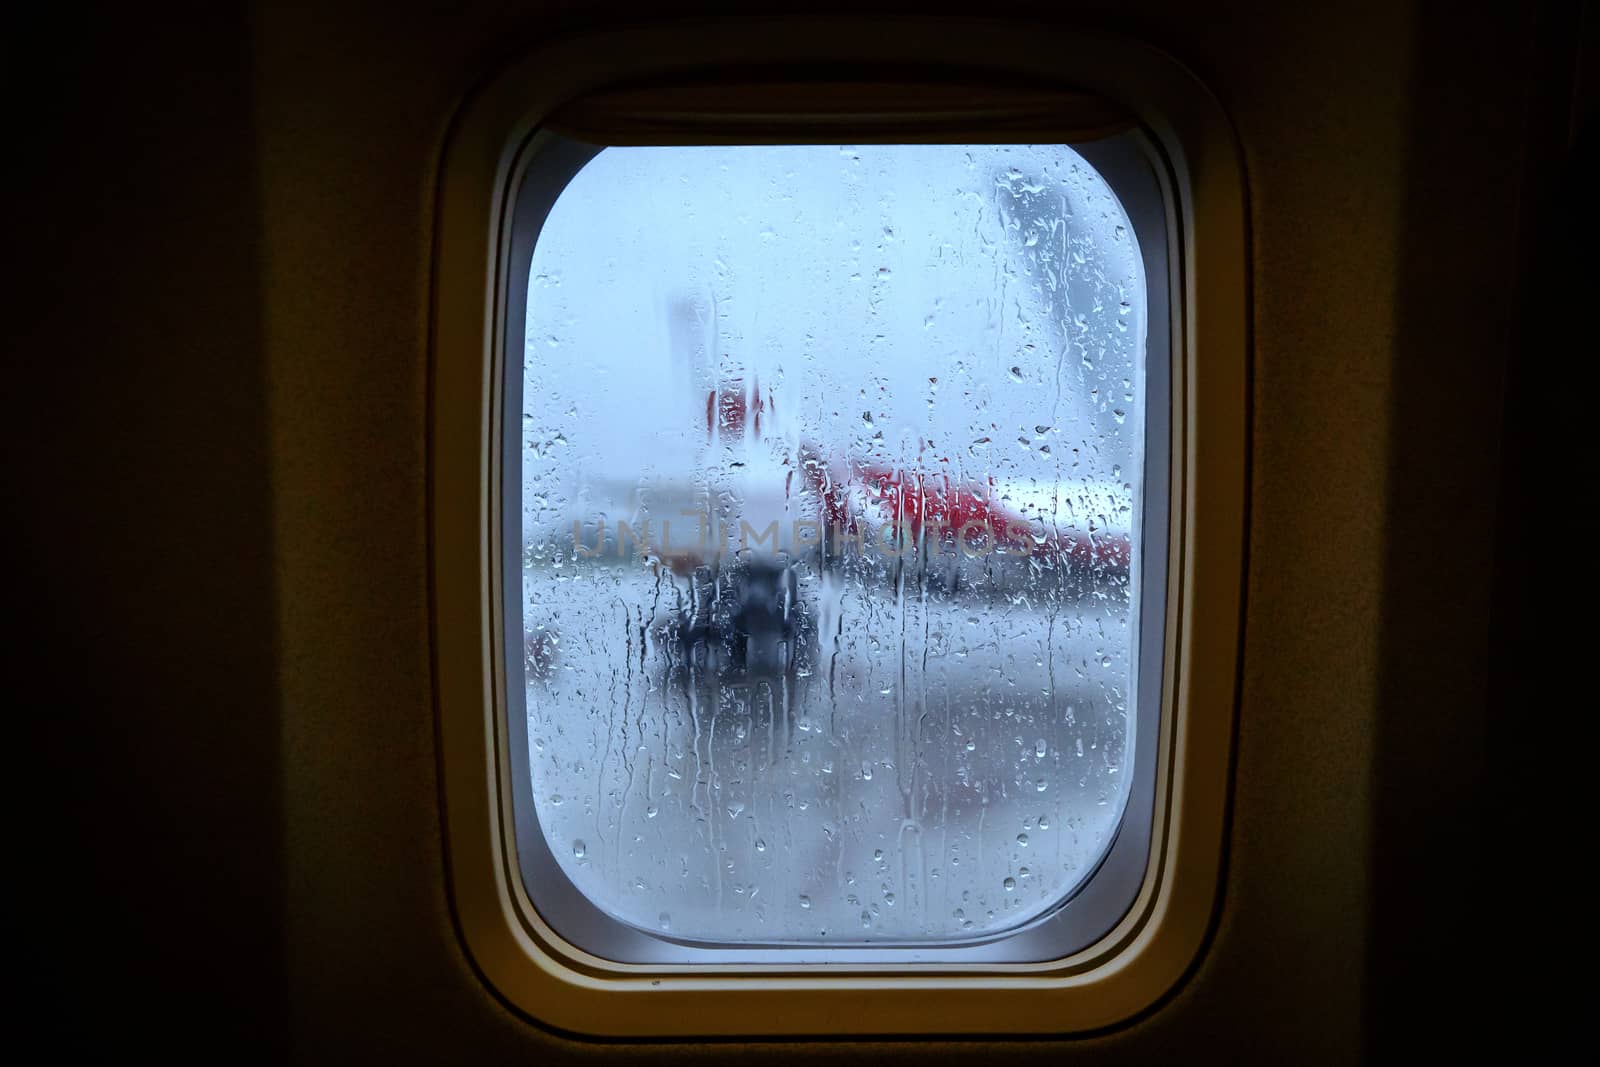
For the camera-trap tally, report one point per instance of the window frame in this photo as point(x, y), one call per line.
point(547, 165)
point(873, 990)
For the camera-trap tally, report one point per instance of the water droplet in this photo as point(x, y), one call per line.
point(805, 902)
point(579, 849)
point(1009, 884)
point(1022, 840)
point(665, 921)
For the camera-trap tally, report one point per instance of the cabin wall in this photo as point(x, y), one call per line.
point(225, 329)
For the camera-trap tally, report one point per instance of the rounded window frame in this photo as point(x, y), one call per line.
point(1117, 971)
point(1126, 161)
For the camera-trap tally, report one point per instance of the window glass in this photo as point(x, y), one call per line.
point(831, 486)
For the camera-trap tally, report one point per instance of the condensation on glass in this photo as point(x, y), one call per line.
point(831, 464)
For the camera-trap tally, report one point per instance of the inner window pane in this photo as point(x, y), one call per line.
point(831, 483)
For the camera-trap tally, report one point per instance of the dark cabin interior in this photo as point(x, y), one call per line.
point(226, 806)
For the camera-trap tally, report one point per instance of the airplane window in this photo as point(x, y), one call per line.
point(832, 465)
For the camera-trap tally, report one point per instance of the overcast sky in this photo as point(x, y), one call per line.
point(976, 309)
